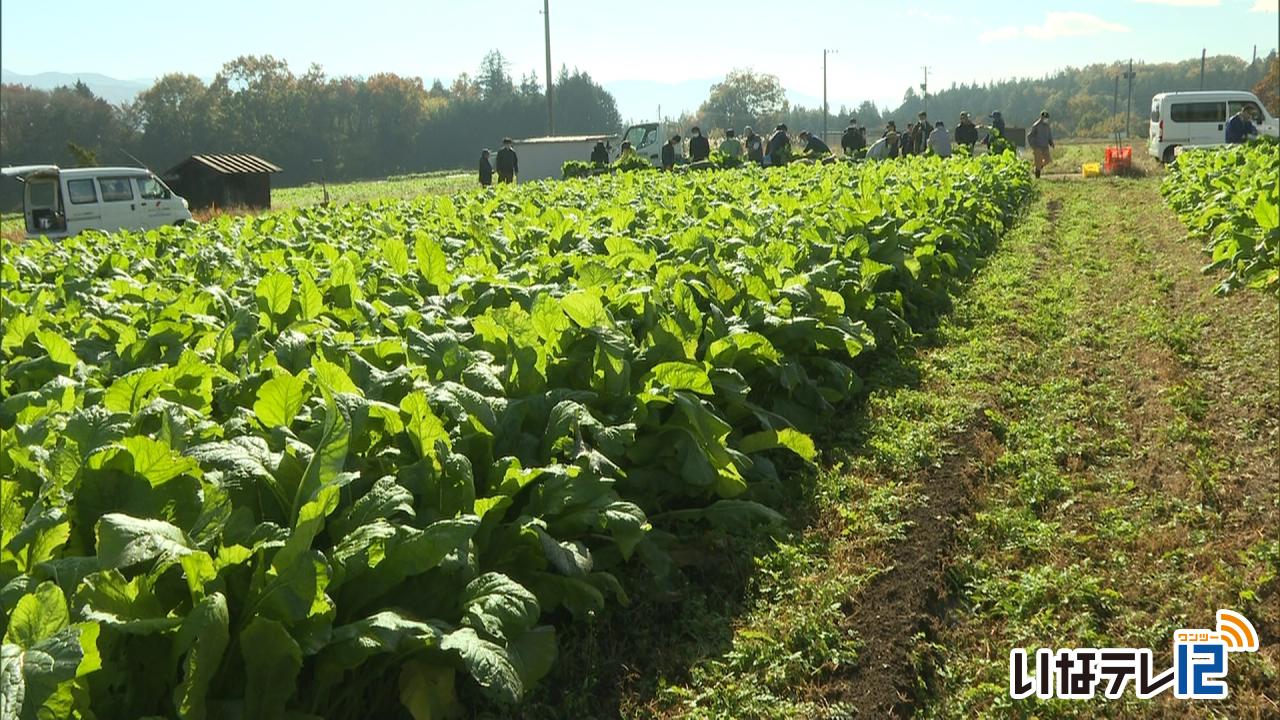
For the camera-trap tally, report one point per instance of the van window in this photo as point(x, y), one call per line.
point(1234, 106)
point(1208, 112)
point(116, 189)
point(81, 192)
point(42, 194)
point(150, 188)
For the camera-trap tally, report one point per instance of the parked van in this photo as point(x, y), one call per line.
point(58, 203)
point(1200, 118)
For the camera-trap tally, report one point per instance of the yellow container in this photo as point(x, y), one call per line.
point(1092, 169)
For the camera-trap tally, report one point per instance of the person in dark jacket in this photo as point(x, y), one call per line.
point(1240, 126)
point(508, 165)
point(920, 133)
point(486, 169)
point(699, 146)
point(853, 139)
point(755, 146)
point(966, 132)
point(779, 147)
point(669, 153)
point(891, 138)
point(905, 138)
point(814, 146)
point(600, 154)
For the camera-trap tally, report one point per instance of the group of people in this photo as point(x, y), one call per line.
point(507, 164)
point(919, 138)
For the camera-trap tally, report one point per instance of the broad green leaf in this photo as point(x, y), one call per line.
point(791, 439)
point(280, 399)
point(487, 663)
point(38, 616)
point(60, 351)
point(272, 660)
point(425, 429)
point(431, 262)
point(275, 293)
point(125, 541)
point(201, 642)
point(499, 606)
point(585, 309)
point(682, 376)
point(396, 255)
point(426, 691)
point(155, 460)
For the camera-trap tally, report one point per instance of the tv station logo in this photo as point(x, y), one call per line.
point(1199, 669)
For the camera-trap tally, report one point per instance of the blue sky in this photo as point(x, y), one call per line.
point(880, 46)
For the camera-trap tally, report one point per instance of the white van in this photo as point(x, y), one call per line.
point(58, 203)
point(1200, 118)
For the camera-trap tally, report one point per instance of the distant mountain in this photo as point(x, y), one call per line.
point(113, 90)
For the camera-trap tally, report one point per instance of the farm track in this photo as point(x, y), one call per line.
point(1083, 453)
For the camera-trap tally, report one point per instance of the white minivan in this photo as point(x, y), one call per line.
point(1200, 118)
point(59, 203)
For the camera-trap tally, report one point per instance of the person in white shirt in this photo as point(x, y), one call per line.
point(940, 140)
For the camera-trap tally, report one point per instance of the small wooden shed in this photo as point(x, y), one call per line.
point(223, 181)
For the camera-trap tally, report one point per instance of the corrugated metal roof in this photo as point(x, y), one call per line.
point(232, 164)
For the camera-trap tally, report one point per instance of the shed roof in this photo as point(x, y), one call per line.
point(230, 164)
point(562, 139)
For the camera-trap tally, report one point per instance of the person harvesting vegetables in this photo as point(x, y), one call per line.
point(755, 146)
point(966, 132)
point(699, 146)
point(779, 147)
point(669, 153)
point(814, 146)
point(730, 146)
point(508, 162)
point(1240, 127)
point(853, 139)
point(940, 140)
point(1040, 138)
point(920, 133)
point(600, 154)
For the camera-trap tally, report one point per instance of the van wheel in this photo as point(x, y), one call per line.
point(1168, 154)
point(180, 223)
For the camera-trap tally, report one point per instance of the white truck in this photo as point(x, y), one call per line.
point(59, 203)
point(1199, 118)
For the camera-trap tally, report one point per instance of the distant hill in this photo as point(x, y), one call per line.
point(113, 90)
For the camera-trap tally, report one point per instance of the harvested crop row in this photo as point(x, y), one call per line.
point(1229, 197)
point(336, 461)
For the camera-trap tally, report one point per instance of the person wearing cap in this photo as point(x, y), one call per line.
point(779, 147)
point(755, 146)
point(600, 154)
point(486, 169)
point(920, 133)
point(814, 146)
point(508, 165)
point(625, 150)
point(854, 138)
point(940, 140)
point(669, 153)
point(731, 146)
point(891, 138)
point(966, 132)
point(1040, 138)
point(699, 146)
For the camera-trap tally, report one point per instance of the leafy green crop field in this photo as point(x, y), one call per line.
point(1229, 196)
point(365, 460)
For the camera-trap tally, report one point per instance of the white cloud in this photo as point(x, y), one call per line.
point(1056, 25)
point(1183, 3)
point(1266, 6)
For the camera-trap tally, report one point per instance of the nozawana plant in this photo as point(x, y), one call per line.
point(358, 461)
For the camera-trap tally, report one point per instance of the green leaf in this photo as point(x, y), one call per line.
point(272, 660)
point(203, 638)
point(426, 691)
point(425, 429)
point(488, 665)
point(280, 399)
point(791, 439)
point(60, 351)
point(38, 616)
point(396, 255)
point(325, 467)
point(533, 653)
point(585, 309)
point(124, 541)
point(499, 606)
point(388, 631)
point(682, 376)
point(128, 606)
point(431, 262)
point(275, 293)
point(155, 460)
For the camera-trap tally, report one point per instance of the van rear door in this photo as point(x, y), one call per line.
point(1197, 122)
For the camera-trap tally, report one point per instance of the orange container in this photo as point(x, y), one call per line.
point(1118, 158)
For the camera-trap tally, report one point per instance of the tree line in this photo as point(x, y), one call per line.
point(360, 127)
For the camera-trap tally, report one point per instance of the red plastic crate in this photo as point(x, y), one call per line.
point(1118, 158)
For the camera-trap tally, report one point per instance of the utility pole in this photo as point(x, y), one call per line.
point(1202, 54)
point(824, 92)
point(1115, 109)
point(546, 26)
point(925, 89)
point(1255, 57)
point(1128, 105)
